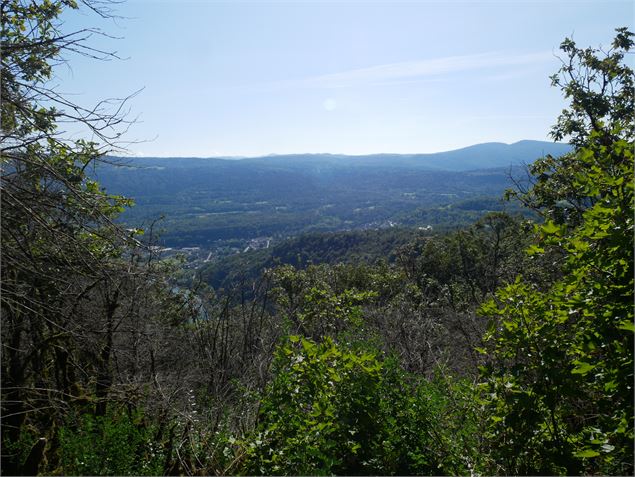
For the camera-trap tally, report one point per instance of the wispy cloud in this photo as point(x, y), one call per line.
point(425, 69)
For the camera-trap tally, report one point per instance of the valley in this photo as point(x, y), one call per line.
point(208, 209)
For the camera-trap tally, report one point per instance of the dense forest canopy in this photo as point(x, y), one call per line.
point(502, 347)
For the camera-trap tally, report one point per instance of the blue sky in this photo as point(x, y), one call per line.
point(253, 78)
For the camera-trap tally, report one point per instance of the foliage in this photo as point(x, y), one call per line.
point(333, 411)
point(599, 86)
point(357, 246)
point(78, 292)
point(559, 383)
point(464, 267)
point(115, 444)
point(319, 301)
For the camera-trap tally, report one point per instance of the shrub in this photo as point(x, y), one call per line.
point(115, 444)
point(334, 411)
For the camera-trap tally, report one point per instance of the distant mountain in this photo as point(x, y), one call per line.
point(494, 154)
point(479, 156)
point(205, 200)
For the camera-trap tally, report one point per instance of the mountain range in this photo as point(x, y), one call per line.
point(204, 200)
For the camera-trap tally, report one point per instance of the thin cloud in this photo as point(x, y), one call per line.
point(421, 69)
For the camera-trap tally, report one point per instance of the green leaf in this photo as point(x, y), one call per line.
point(535, 249)
point(582, 367)
point(550, 228)
point(586, 453)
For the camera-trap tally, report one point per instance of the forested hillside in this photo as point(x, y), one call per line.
point(369, 246)
point(502, 347)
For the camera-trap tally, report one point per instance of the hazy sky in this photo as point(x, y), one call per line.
point(355, 77)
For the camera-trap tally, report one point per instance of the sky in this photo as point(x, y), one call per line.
point(254, 78)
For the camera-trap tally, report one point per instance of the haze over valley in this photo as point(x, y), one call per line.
point(214, 203)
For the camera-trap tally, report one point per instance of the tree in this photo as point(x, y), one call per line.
point(600, 87)
point(559, 380)
point(71, 278)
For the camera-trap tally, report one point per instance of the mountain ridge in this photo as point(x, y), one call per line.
point(477, 156)
point(206, 200)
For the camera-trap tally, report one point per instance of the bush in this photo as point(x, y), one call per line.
point(115, 444)
point(333, 411)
